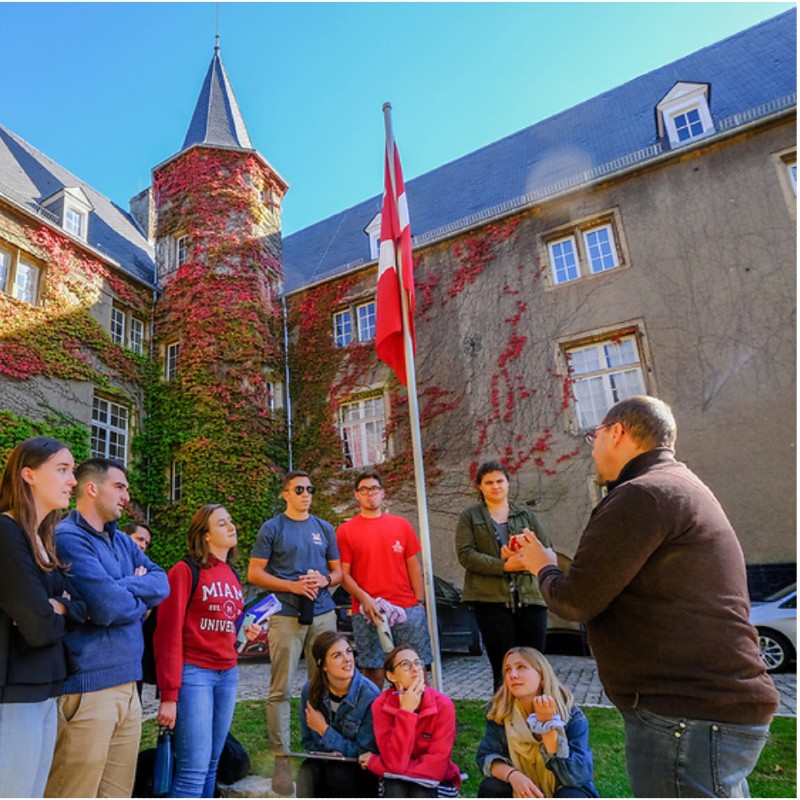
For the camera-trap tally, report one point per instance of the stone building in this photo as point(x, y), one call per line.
point(642, 241)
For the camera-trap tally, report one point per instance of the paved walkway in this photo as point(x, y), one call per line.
point(470, 678)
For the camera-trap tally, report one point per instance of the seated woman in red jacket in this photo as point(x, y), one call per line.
point(415, 730)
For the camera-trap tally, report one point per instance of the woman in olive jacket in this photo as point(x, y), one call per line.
point(506, 597)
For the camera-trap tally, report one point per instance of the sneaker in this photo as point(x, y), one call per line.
point(282, 782)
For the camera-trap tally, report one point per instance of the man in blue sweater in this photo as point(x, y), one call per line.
point(100, 716)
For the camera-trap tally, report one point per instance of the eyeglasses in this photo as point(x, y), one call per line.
point(592, 435)
point(298, 490)
point(369, 490)
point(407, 665)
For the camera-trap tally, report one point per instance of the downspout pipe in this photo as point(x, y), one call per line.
point(287, 390)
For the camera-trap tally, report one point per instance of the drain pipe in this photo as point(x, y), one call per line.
point(287, 393)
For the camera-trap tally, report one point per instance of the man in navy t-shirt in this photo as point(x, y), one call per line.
point(296, 557)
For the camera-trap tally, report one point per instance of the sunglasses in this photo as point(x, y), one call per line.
point(298, 490)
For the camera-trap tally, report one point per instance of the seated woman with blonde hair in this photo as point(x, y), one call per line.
point(536, 742)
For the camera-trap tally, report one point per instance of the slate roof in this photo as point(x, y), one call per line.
point(217, 120)
point(27, 177)
point(751, 74)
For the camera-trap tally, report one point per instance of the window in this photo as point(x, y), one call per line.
point(684, 114)
point(373, 230)
point(118, 326)
point(791, 170)
point(602, 374)
point(688, 125)
point(75, 222)
point(366, 321)
point(270, 395)
point(181, 250)
point(176, 481)
point(26, 282)
point(586, 248)
point(5, 269)
point(601, 250)
point(109, 437)
point(18, 277)
point(137, 336)
point(171, 360)
point(343, 328)
point(564, 260)
point(362, 426)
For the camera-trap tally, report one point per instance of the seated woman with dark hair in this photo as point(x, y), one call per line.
point(536, 742)
point(415, 730)
point(337, 721)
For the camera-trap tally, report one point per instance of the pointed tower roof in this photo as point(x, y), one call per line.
point(217, 120)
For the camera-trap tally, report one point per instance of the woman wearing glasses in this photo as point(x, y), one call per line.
point(508, 605)
point(336, 718)
point(415, 730)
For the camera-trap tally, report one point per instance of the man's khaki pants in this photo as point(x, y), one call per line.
point(97, 744)
point(287, 639)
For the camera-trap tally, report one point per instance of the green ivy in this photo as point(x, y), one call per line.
point(15, 429)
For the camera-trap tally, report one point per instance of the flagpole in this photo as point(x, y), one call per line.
point(416, 436)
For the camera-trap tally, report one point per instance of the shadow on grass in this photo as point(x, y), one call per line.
point(774, 776)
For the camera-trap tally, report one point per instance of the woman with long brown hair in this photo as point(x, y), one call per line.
point(35, 603)
point(195, 649)
point(337, 718)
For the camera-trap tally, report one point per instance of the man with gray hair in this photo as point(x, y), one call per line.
point(659, 579)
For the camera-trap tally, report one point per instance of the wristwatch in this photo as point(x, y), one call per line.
point(328, 578)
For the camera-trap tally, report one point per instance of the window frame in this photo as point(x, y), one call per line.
point(9, 284)
point(580, 420)
point(111, 430)
point(176, 481)
point(339, 336)
point(136, 343)
point(577, 233)
point(171, 358)
point(117, 326)
point(181, 250)
point(359, 457)
point(371, 320)
point(81, 216)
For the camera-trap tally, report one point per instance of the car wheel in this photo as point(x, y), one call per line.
point(776, 650)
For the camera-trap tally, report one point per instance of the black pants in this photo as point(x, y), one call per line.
point(494, 787)
point(392, 787)
point(502, 629)
point(318, 778)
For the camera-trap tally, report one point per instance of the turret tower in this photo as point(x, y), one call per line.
point(217, 419)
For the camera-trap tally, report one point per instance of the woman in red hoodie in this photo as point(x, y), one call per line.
point(195, 649)
point(415, 730)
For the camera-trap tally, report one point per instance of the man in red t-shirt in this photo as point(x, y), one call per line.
point(379, 555)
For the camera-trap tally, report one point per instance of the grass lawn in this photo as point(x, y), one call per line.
point(775, 775)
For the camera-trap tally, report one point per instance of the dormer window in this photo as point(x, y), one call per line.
point(72, 207)
point(683, 115)
point(373, 230)
point(75, 222)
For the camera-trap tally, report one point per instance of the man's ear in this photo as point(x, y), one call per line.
point(90, 489)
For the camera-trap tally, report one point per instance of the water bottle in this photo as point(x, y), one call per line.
point(306, 616)
point(162, 772)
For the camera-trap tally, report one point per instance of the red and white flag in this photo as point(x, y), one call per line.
point(395, 244)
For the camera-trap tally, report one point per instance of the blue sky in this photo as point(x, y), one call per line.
point(108, 89)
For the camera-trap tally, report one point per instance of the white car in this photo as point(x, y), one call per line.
point(776, 621)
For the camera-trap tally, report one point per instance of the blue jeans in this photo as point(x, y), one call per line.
point(205, 709)
point(680, 757)
point(27, 741)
